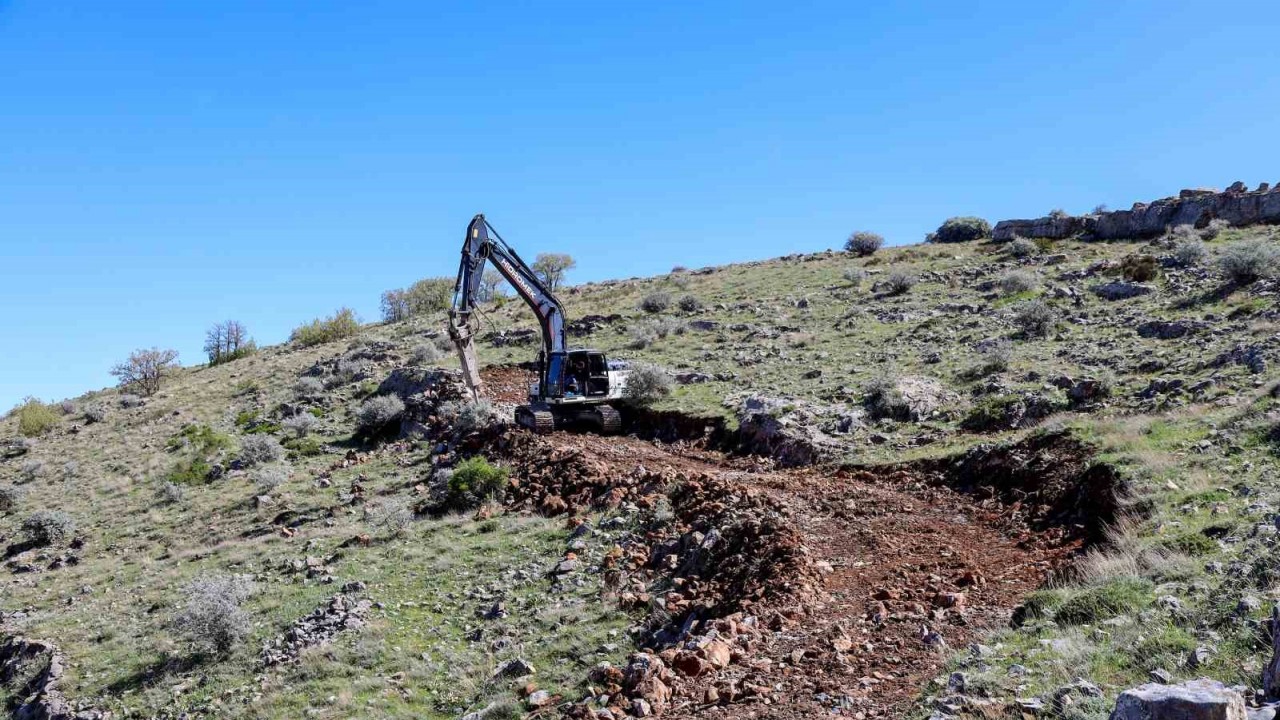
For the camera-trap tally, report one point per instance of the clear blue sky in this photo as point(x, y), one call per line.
point(166, 165)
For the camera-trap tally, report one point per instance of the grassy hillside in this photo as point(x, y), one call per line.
point(1172, 387)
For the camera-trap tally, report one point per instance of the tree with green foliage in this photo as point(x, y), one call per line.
point(552, 267)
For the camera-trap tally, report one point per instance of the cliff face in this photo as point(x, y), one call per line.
point(1237, 205)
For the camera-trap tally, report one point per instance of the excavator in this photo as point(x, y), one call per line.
point(574, 387)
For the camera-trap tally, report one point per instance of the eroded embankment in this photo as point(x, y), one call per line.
point(803, 591)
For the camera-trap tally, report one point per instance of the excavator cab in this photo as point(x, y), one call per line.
point(587, 374)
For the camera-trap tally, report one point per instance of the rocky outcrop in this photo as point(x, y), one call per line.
point(341, 612)
point(30, 671)
point(1201, 699)
point(1237, 205)
point(1271, 675)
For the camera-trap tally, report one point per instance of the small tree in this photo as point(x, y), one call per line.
point(429, 295)
point(898, 282)
point(551, 267)
point(1018, 281)
point(490, 285)
point(227, 341)
point(395, 305)
point(145, 370)
point(863, 243)
point(1021, 247)
point(646, 385)
point(656, 302)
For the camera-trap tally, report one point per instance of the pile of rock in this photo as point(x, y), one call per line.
point(340, 612)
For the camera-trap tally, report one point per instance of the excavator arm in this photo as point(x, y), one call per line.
point(481, 245)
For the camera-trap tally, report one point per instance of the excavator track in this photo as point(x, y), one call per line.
point(610, 420)
point(539, 420)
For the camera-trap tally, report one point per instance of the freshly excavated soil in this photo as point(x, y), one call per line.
point(825, 591)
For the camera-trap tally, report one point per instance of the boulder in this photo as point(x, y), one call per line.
point(1171, 330)
point(1201, 699)
point(1121, 290)
point(1271, 675)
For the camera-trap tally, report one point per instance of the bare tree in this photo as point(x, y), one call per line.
point(227, 341)
point(489, 285)
point(551, 267)
point(145, 370)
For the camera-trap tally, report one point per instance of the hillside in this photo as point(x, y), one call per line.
point(979, 479)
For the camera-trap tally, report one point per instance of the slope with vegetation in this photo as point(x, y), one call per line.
point(965, 477)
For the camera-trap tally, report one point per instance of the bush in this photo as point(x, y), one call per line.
point(212, 619)
point(646, 332)
point(882, 399)
point(308, 388)
point(259, 450)
point(35, 418)
point(656, 302)
point(854, 276)
point(646, 385)
point(1021, 247)
point(961, 229)
point(376, 414)
point(1034, 318)
point(391, 514)
point(1189, 252)
point(32, 470)
point(48, 527)
point(67, 407)
point(425, 354)
point(395, 305)
point(300, 425)
point(995, 357)
point(863, 243)
point(267, 479)
point(1214, 229)
point(466, 416)
point(898, 282)
point(349, 371)
point(1248, 261)
point(170, 493)
point(690, 303)
point(1105, 601)
point(1018, 281)
point(342, 324)
point(145, 370)
point(9, 497)
point(95, 414)
point(475, 481)
point(1140, 268)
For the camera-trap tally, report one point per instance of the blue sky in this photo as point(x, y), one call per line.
point(166, 165)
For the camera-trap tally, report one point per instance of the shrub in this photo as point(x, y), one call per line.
point(646, 332)
point(267, 479)
point(883, 399)
point(227, 341)
point(303, 447)
point(145, 370)
point(690, 303)
point(170, 493)
point(259, 449)
point(48, 527)
point(1021, 247)
point(646, 385)
point(349, 371)
point(961, 229)
point(32, 470)
point(1182, 232)
point(35, 418)
point(898, 282)
point(466, 416)
point(342, 324)
point(854, 276)
point(391, 514)
point(656, 302)
point(1058, 214)
point(863, 243)
point(1189, 252)
point(1248, 261)
point(1100, 208)
point(642, 336)
point(1214, 229)
point(995, 357)
point(1139, 268)
point(552, 267)
point(300, 425)
point(1018, 281)
point(95, 414)
point(212, 619)
point(475, 481)
point(9, 497)
point(376, 414)
point(1034, 318)
point(425, 354)
point(1105, 601)
point(66, 407)
point(308, 388)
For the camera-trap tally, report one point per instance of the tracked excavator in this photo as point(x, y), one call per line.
point(573, 387)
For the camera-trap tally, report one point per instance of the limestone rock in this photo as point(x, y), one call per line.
point(1201, 699)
